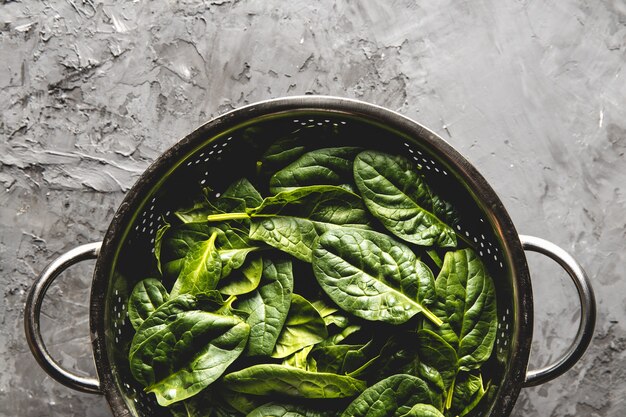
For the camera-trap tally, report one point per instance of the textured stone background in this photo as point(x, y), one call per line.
point(532, 92)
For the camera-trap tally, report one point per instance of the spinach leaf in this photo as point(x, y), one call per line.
point(303, 327)
point(283, 151)
point(244, 280)
point(328, 166)
point(239, 195)
point(272, 379)
point(268, 305)
point(243, 189)
point(302, 360)
point(369, 274)
point(423, 410)
point(468, 391)
point(158, 244)
point(397, 195)
point(437, 353)
point(426, 292)
point(275, 409)
point(148, 295)
point(466, 302)
point(232, 243)
point(331, 358)
point(291, 221)
point(201, 269)
point(243, 403)
point(391, 397)
point(182, 356)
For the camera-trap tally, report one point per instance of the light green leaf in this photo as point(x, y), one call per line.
point(304, 327)
point(201, 269)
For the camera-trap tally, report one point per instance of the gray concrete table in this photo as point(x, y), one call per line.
point(532, 93)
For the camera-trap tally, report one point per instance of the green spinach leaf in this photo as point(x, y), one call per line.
point(328, 166)
point(148, 295)
point(246, 279)
point(272, 379)
point(201, 269)
point(303, 327)
point(291, 221)
point(468, 391)
point(423, 410)
point(267, 306)
point(185, 354)
point(391, 397)
point(369, 274)
point(275, 409)
point(397, 195)
point(467, 305)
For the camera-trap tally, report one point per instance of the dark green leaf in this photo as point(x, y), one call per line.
point(330, 358)
point(436, 352)
point(243, 189)
point(328, 166)
point(291, 221)
point(397, 195)
point(268, 306)
point(182, 356)
point(274, 409)
point(270, 379)
point(467, 305)
point(468, 391)
point(244, 280)
point(392, 397)
point(148, 295)
point(426, 293)
point(368, 274)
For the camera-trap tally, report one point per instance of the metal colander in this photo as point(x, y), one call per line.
point(228, 148)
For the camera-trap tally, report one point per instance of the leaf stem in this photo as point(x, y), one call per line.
point(431, 316)
point(226, 216)
point(450, 394)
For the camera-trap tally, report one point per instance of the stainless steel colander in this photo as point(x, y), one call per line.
point(227, 148)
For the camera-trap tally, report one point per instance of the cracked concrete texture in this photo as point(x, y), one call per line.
point(532, 93)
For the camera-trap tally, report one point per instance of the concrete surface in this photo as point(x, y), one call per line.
point(532, 92)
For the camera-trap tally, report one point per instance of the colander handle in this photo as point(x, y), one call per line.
point(587, 310)
point(32, 312)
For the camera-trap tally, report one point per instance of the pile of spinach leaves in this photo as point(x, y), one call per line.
point(345, 292)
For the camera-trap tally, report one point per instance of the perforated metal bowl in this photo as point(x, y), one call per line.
point(227, 148)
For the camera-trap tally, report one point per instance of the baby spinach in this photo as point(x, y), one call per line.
point(391, 397)
point(466, 302)
point(201, 269)
point(148, 295)
point(369, 275)
point(397, 195)
point(275, 409)
point(291, 221)
point(272, 379)
point(303, 327)
point(187, 353)
point(328, 166)
point(267, 306)
point(393, 315)
point(243, 281)
point(423, 410)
